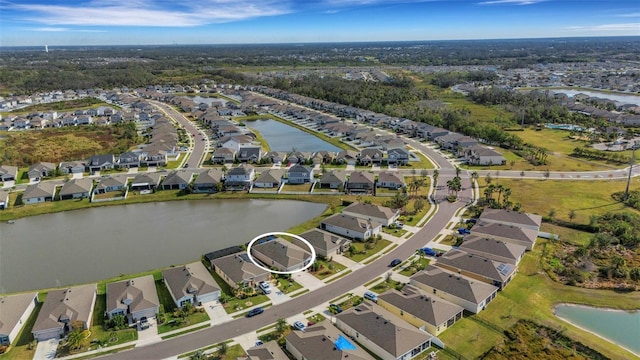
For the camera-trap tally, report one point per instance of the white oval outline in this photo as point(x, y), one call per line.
point(256, 263)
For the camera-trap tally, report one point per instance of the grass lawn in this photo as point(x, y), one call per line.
point(173, 164)
point(304, 188)
point(316, 318)
point(414, 266)
point(572, 236)
point(585, 198)
point(385, 192)
point(234, 304)
point(361, 253)
point(173, 323)
point(287, 286)
point(323, 268)
point(424, 163)
point(105, 336)
point(384, 286)
point(109, 195)
point(448, 240)
point(395, 232)
point(531, 295)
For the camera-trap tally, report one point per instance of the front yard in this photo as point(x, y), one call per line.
point(417, 264)
point(359, 251)
point(287, 285)
point(324, 268)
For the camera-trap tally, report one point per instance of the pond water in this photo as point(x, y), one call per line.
point(98, 243)
point(282, 137)
point(617, 326)
point(622, 98)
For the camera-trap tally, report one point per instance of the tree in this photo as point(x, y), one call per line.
point(281, 326)
point(436, 173)
point(418, 205)
point(488, 178)
point(474, 177)
point(458, 171)
point(222, 349)
point(77, 338)
point(552, 214)
point(198, 355)
point(572, 215)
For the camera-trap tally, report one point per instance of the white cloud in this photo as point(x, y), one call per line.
point(607, 27)
point(634, 15)
point(63, 29)
point(512, 2)
point(150, 13)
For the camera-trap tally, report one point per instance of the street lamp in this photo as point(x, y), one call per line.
point(636, 145)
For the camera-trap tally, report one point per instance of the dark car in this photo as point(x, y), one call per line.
point(395, 262)
point(463, 231)
point(254, 312)
point(144, 323)
point(336, 309)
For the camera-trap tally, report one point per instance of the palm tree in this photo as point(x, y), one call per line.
point(222, 349)
point(474, 177)
point(76, 339)
point(281, 326)
point(436, 173)
point(458, 171)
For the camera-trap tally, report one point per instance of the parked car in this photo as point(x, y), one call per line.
point(254, 312)
point(463, 231)
point(371, 296)
point(395, 262)
point(259, 342)
point(399, 225)
point(335, 308)
point(471, 221)
point(144, 323)
point(429, 251)
point(265, 287)
point(299, 325)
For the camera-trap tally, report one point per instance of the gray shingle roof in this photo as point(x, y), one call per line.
point(489, 230)
point(76, 303)
point(500, 215)
point(490, 247)
point(76, 186)
point(459, 286)
point(178, 177)
point(11, 309)
point(323, 240)
point(42, 189)
point(238, 267)
point(350, 222)
point(141, 291)
point(431, 309)
point(366, 211)
point(282, 252)
point(267, 351)
point(270, 176)
point(192, 278)
point(361, 177)
point(476, 264)
point(317, 342)
point(210, 176)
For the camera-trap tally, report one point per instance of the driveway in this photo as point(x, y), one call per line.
point(46, 349)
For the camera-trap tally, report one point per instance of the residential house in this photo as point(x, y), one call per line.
point(493, 249)
point(267, 351)
point(71, 167)
point(145, 182)
point(424, 311)
point(483, 155)
point(512, 218)
point(177, 180)
point(236, 142)
point(508, 233)
point(281, 255)
point(299, 174)
point(250, 154)
point(15, 310)
point(111, 184)
point(156, 154)
point(477, 267)
point(208, 181)
point(64, 308)
point(469, 293)
point(323, 341)
point(8, 173)
point(430, 132)
point(269, 179)
point(297, 157)
point(223, 156)
point(384, 334)
point(275, 157)
point(240, 177)
point(76, 188)
point(350, 226)
point(324, 243)
point(348, 157)
point(390, 180)
point(380, 214)
point(4, 200)
point(190, 283)
point(361, 182)
point(133, 299)
point(334, 179)
point(129, 159)
point(398, 156)
point(38, 193)
point(39, 170)
point(370, 156)
point(100, 162)
point(237, 270)
point(322, 157)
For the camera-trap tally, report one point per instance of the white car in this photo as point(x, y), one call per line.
point(265, 287)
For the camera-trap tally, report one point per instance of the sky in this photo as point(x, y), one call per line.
point(158, 22)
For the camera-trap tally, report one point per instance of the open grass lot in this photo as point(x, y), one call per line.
point(585, 198)
point(531, 295)
point(361, 253)
point(565, 234)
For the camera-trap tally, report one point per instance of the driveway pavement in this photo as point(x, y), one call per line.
point(46, 349)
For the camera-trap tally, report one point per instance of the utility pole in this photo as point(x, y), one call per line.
point(633, 158)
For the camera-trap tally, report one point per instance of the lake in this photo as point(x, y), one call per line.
point(92, 244)
point(617, 326)
point(622, 98)
point(282, 137)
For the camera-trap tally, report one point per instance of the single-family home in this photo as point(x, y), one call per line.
point(190, 283)
point(236, 142)
point(14, 313)
point(350, 226)
point(477, 267)
point(238, 270)
point(361, 182)
point(8, 173)
point(390, 180)
point(398, 156)
point(271, 178)
point(71, 167)
point(223, 156)
point(512, 218)
point(370, 156)
point(177, 180)
point(40, 170)
point(384, 334)
point(348, 157)
point(324, 243)
point(100, 162)
point(299, 174)
point(297, 157)
point(471, 294)
point(64, 308)
point(4, 200)
point(249, 153)
point(129, 159)
point(266, 351)
point(145, 182)
point(208, 181)
point(427, 312)
point(240, 177)
point(281, 255)
point(334, 179)
point(323, 341)
point(380, 214)
point(483, 155)
point(133, 299)
point(275, 157)
point(493, 249)
point(38, 193)
point(76, 188)
point(508, 233)
point(111, 184)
